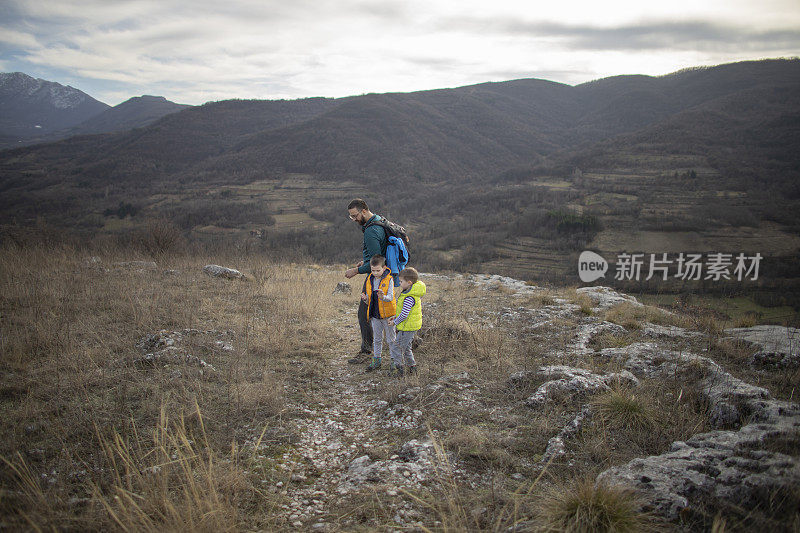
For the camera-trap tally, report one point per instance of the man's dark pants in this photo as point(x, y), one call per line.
point(366, 328)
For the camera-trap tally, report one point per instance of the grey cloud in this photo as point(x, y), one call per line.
point(698, 35)
point(437, 62)
point(393, 12)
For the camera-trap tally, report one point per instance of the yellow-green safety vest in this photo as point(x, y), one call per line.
point(414, 320)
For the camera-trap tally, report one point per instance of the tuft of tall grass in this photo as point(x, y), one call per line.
point(453, 344)
point(620, 408)
point(584, 506)
point(479, 444)
point(172, 481)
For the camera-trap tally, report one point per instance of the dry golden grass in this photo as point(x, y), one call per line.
point(541, 298)
point(582, 300)
point(171, 481)
point(632, 317)
point(96, 439)
point(454, 341)
point(612, 340)
point(584, 507)
point(644, 421)
point(745, 321)
point(482, 444)
point(620, 408)
point(75, 401)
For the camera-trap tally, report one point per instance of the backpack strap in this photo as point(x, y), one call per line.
point(381, 224)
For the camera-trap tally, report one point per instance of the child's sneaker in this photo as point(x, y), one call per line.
point(374, 365)
point(396, 370)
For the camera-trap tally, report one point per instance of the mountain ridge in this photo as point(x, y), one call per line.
point(135, 112)
point(33, 107)
point(472, 129)
point(513, 176)
point(37, 111)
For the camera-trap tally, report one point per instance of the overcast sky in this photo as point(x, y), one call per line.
point(202, 50)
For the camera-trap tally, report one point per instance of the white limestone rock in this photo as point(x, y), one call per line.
point(779, 346)
point(657, 331)
point(222, 272)
point(565, 381)
point(606, 297)
point(343, 288)
point(732, 466)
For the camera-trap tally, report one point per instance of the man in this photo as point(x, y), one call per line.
point(374, 244)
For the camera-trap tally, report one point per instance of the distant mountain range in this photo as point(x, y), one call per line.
point(133, 113)
point(34, 110)
point(474, 132)
point(534, 169)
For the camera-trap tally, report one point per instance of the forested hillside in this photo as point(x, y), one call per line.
point(516, 176)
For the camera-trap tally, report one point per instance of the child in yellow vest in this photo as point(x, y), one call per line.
point(378, 293)
point(409, 321)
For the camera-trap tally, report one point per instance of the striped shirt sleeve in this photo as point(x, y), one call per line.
point(408, 303)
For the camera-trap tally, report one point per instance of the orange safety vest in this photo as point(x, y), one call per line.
point(385, 309)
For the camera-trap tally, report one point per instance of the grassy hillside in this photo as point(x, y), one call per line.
point(245, 415)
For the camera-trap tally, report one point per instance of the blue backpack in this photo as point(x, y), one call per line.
point(396, 252)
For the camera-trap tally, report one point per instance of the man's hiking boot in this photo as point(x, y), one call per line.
point(360, 358)
point(374, 365)
point(396, 370)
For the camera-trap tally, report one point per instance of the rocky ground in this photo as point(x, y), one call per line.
point(234, 387)
point(370, 440)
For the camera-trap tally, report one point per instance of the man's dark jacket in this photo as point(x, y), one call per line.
point(374, 242)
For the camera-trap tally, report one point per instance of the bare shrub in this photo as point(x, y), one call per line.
point(161, 237)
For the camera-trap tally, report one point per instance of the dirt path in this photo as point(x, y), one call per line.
point(341, 423)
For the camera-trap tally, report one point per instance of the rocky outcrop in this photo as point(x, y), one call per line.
point(493, 281)
point(657, 331)
point(740, 466)
point(343, 288)
point(556, 446)
point(727, 395)
point(173, 355)
point(165, 348)
point(606, 297)
point(734, 465)
point(569, 382)
point(779, 346)
point(585, 333)
point(217, 271)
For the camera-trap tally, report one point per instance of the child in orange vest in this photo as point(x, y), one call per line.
point(378, 293)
